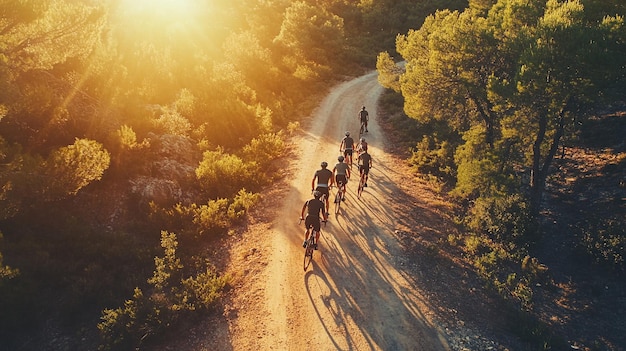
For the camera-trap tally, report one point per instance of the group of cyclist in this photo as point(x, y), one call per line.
point(324, 179)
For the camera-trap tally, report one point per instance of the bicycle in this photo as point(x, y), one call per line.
point(362, 129)
point(340, 196)
point(349, 159)
point(361, 185)
point(310, 245)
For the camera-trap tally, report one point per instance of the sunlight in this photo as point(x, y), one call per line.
point(176, 9)
point(165, 21)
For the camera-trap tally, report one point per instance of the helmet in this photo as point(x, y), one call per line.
point(347, 133)
point(340, 158)
point(363, 108)
point(317, 194)
point(362, 139)
point(324, 164)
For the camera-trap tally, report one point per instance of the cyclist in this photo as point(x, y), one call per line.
point(325, 180)
point(312, 220)
point(361, 146)
point(364, 117)
point(341, 174)
point(365, 163)
point(346, 146)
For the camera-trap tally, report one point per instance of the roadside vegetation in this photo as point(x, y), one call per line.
point(502, 98)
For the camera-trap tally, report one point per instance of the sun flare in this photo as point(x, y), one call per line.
point(175, 9)
point(172, 7)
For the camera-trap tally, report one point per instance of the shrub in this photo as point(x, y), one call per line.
point(212, 217)
point(71, 168)
point(604, 240)
point(435, 157)
point(241, 204)
point(264, 148)
point(162, 307)
point(222, 175)
point(500, 217)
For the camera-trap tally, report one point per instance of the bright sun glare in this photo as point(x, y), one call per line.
point(178, 9)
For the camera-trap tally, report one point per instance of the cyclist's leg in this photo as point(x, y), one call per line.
point(326, 193)
point(309, 224)
point(317, 226)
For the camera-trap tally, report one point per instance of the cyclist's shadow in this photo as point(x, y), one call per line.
point(338, 320)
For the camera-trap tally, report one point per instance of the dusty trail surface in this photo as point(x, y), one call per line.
point(356, 294)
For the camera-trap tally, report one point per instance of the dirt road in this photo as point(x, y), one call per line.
point(355, 295)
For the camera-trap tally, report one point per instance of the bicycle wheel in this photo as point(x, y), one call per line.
point(337, 201)
point(308, 251)
point(360, 189)
point(362, 128)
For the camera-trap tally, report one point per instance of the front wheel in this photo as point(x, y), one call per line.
point(338, 198)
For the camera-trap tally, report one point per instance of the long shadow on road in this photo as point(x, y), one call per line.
point(360, 283)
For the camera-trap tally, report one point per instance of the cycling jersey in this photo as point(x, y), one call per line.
point(341, 168)
point(363, 114)
point(365, 159)
point(348, 143)
point(323, 176)
point(314, 208)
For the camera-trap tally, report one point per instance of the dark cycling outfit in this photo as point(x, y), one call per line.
point(348, 143)
point(364, 162)
point(314, 210)
point(363, 114)
point(341, 173)
point(323, 177)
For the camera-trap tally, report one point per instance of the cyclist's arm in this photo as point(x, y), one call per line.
point(313, 182)
point(303, 208)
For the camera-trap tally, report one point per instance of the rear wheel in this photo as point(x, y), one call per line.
point(338, 198)
point(308, 251)
point(361, 185)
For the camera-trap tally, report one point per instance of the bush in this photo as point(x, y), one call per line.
point(605, 242)
point(241, 204)
point(222, 175)
point(432, 156)
point(73, 167)
point(264, 148)
point(502, 218)
point(169, 298)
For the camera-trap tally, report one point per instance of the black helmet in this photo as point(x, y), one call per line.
point(317, 194)
point(363, 108)
point(324, 164)
point(340, 158)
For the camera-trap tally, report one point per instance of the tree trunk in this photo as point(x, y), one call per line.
point(540, 169)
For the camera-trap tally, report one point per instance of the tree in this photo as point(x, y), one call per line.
point(311, 33)
point(562, 74)
point(523, 73)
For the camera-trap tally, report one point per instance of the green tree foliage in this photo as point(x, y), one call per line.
point(513, 81)
point(520, 73)
point(388, 72)
point(73, 167)
point(311, 36)
point(221, 174)
point(168, 299)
